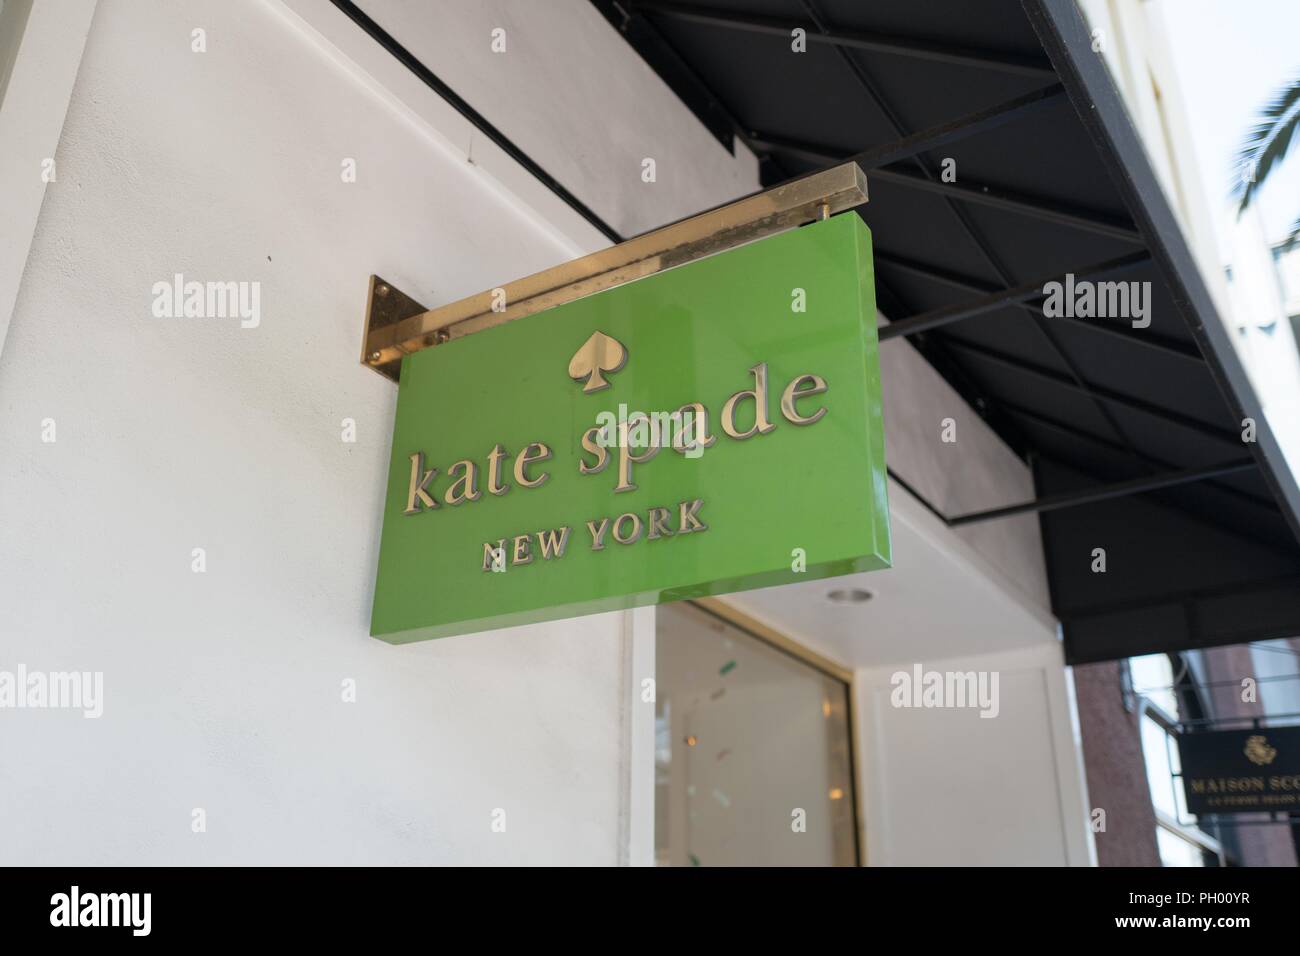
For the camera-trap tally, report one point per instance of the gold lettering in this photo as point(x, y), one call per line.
point(550, 547)
point(1227, 784)
point(591, 445)
point(464, 488)
point(537, 451)
point(626, 459)
point(419, 482)
point(761, 425)
point(687, 514)
point(692, 423)
point(636, 528)
point(598, 534)
point(494, 554)
point(495, 487)
point(793, 393)
point(657, 523)
point(522, 553)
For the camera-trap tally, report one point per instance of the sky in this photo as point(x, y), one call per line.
point(1231, 56)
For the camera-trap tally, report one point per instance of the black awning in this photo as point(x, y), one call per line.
point(1135, 435)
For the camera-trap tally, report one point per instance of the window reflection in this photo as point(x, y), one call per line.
point(753, 763)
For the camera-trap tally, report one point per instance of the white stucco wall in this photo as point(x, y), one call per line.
point(34, 93)
point(617, 113)
point(223, 689)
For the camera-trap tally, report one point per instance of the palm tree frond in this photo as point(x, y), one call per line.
point(1267, 142)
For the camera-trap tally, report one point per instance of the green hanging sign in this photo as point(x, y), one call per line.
point(712, 428)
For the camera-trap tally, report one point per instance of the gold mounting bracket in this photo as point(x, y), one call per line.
point(397, 325)
point(386, 307)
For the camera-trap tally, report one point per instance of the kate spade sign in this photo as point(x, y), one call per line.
point(711, 428)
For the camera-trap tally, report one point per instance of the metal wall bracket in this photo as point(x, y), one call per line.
point(397, 325)
point(385, 308)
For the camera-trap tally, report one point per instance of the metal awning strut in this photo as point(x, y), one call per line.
point(855, 40)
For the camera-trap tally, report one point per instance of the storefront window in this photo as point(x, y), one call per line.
point(753, 764)
point(1176, 850)
point(1179, 840)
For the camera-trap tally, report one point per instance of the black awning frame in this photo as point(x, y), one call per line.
point(1065, 36)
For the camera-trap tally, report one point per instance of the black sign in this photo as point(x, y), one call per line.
point(1241, 771)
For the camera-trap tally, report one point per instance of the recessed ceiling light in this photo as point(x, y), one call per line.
point(849, 596)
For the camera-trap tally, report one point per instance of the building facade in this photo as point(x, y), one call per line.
point(192, 505)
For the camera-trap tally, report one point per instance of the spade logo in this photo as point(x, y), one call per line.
point(599, 354)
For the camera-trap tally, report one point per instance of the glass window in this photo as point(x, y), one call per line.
point(1178, 839)
point(1175, 851)
point(1276, 665)
point(1153, 678)
point(1161, 755)
point(753, 764)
